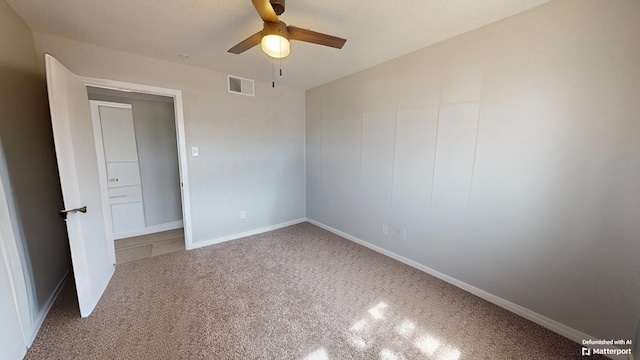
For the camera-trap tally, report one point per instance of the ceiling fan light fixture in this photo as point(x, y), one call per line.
point(275, 35)
point(276, 46)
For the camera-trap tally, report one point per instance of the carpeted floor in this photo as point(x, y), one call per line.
point(294, 293)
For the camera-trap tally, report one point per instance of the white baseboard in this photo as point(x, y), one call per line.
point(151, 229)
point(200, 244)
point(539, 319)
point(45, 311)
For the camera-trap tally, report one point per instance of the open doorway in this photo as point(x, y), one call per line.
point(138, 163)
point(92, 245)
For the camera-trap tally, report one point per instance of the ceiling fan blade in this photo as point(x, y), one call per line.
point(296, 33)
point(247, 43)
point(265, 10)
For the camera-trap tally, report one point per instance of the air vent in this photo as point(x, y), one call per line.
point(238, 85)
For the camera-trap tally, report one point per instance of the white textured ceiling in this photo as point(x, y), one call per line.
point(376, 31)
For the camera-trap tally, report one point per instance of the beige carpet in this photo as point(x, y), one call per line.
point(295, 293)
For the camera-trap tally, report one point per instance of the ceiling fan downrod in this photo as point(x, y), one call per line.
point(278, 6)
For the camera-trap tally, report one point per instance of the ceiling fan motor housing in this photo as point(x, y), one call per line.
point(278, 6)
point(279, 28)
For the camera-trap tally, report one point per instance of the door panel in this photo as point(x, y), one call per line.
point(125, 194)
point(123, 174)
point(127, 218)
point(118, 134)
point(93, 257)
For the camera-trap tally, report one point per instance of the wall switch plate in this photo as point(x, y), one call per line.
point(385, 229)
point(243, 214)
point(194, 151)
point(397, 233)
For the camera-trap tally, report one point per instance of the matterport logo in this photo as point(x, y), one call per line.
point(612, 347)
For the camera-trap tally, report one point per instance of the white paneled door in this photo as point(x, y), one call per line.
point(115, 136)
point(93, 257)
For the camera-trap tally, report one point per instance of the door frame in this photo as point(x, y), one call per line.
point(104, 185)
point(178, 109)
point(13, 267)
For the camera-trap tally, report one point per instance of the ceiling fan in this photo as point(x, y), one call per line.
point(275, 35)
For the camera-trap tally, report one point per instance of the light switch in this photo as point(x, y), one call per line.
point(194, 151)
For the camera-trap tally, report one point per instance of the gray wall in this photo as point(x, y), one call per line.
point(509, 154)
point(251, 149)
point(636, 342)
point(158, 156)
point(155, 127)
point(30, 172)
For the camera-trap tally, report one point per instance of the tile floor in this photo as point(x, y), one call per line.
point(145, 246)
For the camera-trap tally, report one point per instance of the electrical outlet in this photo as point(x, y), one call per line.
point(194, 151)
point(385, 229)
point(400, 233)
point(243, 214)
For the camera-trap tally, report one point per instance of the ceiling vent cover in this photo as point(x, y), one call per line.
point(238, 85)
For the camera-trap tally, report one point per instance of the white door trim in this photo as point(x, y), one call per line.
point(181, 138)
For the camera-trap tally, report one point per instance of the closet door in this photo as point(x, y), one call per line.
point(123, 171)
point(118, 133)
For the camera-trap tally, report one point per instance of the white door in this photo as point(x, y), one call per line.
point(92, 256)
point(12, 342)
point(117, 150)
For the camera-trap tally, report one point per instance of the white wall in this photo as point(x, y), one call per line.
point(158, 158)
point(509, 154)
point(251, 149)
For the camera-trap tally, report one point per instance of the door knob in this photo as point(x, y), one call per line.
point(80, 209)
